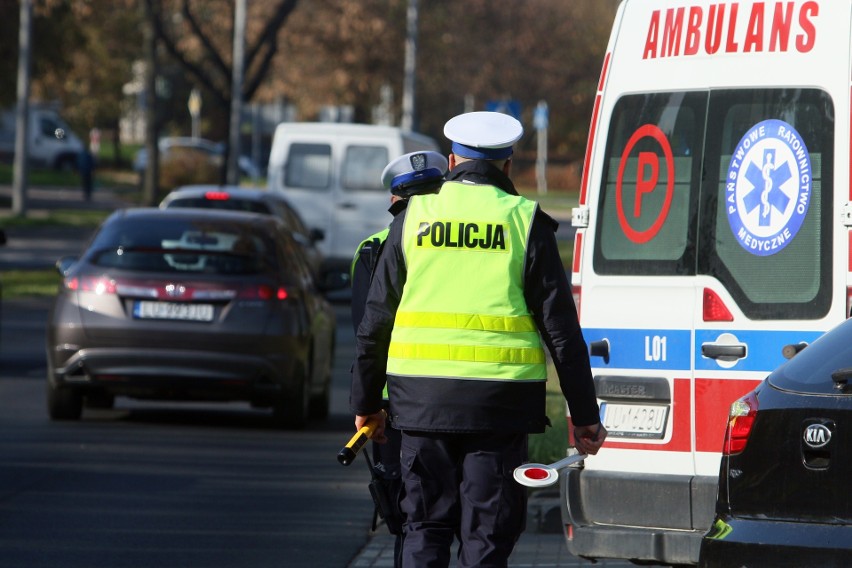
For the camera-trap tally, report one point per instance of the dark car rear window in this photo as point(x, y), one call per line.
point(183, 246)
point(810, 371)
point(230, 204)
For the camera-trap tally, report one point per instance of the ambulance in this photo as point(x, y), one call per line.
point(713, 239)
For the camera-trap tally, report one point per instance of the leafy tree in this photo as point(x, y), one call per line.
point(345, 52)
point(321, 52)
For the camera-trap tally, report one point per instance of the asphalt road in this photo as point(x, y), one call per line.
point(157, 484)
point(160, 484)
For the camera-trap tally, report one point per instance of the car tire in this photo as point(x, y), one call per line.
point(64, 403)
point(290, 411)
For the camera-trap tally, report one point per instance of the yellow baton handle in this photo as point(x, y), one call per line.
point(351, 449)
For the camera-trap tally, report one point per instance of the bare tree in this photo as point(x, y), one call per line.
point(198, 35)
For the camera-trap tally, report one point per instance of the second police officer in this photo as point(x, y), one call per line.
point(410, 174)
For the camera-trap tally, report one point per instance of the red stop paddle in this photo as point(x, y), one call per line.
point(540, 475)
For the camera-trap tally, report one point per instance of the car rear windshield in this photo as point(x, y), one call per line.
point(811, 370)
point(230, 204)
point(182, 246)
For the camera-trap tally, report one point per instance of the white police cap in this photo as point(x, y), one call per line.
point(483, 135)
point(405, 175)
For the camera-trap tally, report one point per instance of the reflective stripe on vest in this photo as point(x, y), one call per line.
point(462, 312)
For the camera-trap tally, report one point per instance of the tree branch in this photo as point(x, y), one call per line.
point(216, 59)
point(270, 31)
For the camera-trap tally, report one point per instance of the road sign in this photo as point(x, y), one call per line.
point(541, 116)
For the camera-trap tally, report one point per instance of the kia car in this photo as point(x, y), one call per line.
point(190, 305)
point(254, 201)
point(784, 496)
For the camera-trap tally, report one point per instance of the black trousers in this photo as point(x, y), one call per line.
point(461, 485)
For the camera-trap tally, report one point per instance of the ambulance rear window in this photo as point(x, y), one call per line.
point(649, 193)
point(734, 184)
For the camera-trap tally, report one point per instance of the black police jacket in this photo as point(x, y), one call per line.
point(475, 406)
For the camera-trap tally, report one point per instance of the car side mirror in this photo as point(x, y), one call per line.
point(317, 234)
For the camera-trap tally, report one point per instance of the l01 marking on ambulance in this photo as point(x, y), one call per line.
point(768, 187)
point(643, 348)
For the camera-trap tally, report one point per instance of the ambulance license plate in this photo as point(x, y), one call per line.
point(635, 420)
point(173, 311)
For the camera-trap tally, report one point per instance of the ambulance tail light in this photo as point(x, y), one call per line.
point(849, 302)
point(740, 422)
point(714, 308)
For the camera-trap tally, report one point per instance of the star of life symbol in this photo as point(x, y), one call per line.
point(767, 180)
point(768, 186)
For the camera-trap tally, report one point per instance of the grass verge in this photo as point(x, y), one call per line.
point(83, 218)
point(30, 283)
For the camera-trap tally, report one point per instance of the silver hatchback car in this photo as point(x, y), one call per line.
point(191, 305)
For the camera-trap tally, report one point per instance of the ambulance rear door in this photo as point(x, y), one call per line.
point(710, 240)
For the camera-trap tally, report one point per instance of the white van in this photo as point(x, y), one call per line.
point(44, 148)
point(331, 173)
point(713, 237)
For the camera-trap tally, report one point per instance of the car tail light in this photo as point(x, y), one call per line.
point(217, 195)
point(714, 308)
point(848, 302)
point(740, 421)
point(263, 292)
point(96, 284)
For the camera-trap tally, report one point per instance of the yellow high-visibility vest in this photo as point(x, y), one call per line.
point(462, 313)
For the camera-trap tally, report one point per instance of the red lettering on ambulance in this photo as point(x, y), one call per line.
point(714, 29)
point(781, 23)
point(731, 46)
point(805, 42)
point(679, 32)
point(693, 31)
point(651, 38)
point(754, 32)
point(671, 33)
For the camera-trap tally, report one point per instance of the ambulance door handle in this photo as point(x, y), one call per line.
point(600, 349)
point(723, 351)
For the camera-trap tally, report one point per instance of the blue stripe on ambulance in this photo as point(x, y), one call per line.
point(667, 349)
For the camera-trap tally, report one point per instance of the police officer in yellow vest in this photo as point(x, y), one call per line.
point(410, 174)
point(407, 175)
point(468, 286)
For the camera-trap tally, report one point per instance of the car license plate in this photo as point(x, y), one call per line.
point(173, 311)
point(635, 420)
